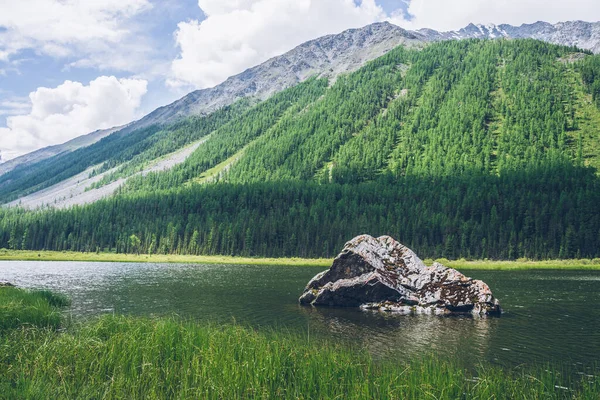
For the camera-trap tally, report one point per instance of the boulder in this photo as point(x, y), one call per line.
point(6, 284)
point(382, 274)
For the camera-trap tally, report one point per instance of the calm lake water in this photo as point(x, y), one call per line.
point(550, 316)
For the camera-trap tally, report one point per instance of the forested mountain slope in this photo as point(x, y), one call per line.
point(455, 108)
point(464, 148)
point(327, 56)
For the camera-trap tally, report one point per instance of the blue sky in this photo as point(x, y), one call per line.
point(68, 67)
point(35, 70)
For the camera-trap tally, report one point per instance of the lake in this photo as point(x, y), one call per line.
point(550, 316)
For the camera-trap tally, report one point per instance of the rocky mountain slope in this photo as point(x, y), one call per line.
point(345, 52)
point(585, 35)
point(327, 56)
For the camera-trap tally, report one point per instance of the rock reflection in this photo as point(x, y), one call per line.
point(387, 334)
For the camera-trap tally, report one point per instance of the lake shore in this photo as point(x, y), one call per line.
point(26, 255)
point(137, 358)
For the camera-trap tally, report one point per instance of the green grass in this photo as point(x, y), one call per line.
point(118, 357)
point(25, 255)
point(19, 308)
point(588, 119)
point(521, 264)
point(215, 172)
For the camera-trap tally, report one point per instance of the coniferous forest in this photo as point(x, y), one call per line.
point(475, 149)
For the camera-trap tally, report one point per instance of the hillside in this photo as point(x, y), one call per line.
point(461, 149)
point(492, 108)
point(328, 57)
point(42, 154)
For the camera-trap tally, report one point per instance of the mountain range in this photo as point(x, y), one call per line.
point(583, 35)
point(327, 56)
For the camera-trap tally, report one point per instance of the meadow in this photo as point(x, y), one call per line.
point(521, 264)
point(25, 255)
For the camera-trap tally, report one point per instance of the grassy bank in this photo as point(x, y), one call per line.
point(19, 308)
point(523, 264)
point(23, 255)
point(121, 357)
point(118, 357)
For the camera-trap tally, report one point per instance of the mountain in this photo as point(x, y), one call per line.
point(328, 56)
point(462, 148)
point(332, 55)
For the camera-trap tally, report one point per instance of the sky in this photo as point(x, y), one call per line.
point(70, 67)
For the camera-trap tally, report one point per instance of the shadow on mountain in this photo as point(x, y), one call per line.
point(546, 212)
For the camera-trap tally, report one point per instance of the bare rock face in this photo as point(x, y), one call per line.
point(382, 274)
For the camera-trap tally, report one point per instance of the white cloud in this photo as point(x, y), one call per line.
point(72, 109)
point(448, 15)
point(63, 28)
point(238, 34)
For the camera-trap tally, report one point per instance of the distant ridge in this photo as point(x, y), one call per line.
point(585, 35)
point(51, 151)
point(329, 56)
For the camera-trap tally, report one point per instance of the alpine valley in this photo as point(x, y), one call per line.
point(479, 143)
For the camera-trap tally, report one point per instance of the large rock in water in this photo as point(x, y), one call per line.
point(382, 274)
